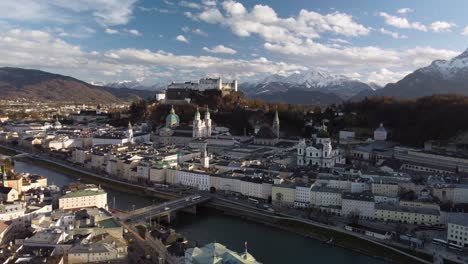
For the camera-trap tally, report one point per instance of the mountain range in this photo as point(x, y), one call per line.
point(440, 77)
point(35, 85)
point(311, 87)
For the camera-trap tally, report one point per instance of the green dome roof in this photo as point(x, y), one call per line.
point(172, 118)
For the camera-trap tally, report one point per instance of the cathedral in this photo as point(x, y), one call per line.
point(172, 120)
point(202, 127)
point(320, 153)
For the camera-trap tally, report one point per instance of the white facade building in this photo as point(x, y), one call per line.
point(202, 127)
point(457, 229)
point(302, 197)
point(199, 180)
point(358, 204)
point(325, 197)
point(320, 154)
point(380, 133)
point(256, 189)
point(92, 197)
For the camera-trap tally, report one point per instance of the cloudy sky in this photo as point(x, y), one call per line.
point(154, 40)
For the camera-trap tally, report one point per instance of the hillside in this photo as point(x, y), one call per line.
point(410, 122)
point(29, 84)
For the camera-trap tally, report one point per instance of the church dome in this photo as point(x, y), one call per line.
point(172, 119)
point(381, 128)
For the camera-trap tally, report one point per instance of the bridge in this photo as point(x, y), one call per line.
point(165, 209)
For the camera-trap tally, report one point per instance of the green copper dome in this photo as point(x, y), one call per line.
point(172, 119)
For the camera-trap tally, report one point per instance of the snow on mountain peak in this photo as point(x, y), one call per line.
point(315, 79)
point(449, 69)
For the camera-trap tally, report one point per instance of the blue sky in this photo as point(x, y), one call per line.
point(163, 40)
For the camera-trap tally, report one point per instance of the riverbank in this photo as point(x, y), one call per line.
point(94, 178)
point(319, 233)
point(322, 234)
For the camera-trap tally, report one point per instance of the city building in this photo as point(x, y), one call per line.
point(206, 84)
point(320, 153)
point(361, 205)
point(88, 197)
point(325, 197)
point(407, 215)
point(302, 199)
point(202, 127)
point(197, 179)
point(457, 229)
point(283, 194)
point(8, 194)
point(380, 134)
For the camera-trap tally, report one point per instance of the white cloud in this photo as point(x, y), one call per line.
point(167, 2)
point(181, 38)
point(199, 32)
point(401, 22)
point(392, 34)
point(190, 4)
point(209, 2)
point(41, 50)
point(220, 49)
point(441, 26)
point(404, 10)
point(155, 9)
point(208, 64)
point(111, 31)
point(196, 31)
point(75, 32)
point(465, 31)
point(264, 21)
point(105, 12)
point(211, 15)
point(369, 56)
point(385, 76)
point(340, 41)
point(361, 59)
point(133, 32)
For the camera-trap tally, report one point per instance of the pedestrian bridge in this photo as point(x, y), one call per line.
point(165, 209)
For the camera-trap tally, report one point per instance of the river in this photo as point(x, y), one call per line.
point(267, 244)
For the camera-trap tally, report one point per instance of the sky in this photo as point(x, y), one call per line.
point(155, 41)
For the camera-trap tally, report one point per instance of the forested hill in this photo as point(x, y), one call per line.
point(409, 122)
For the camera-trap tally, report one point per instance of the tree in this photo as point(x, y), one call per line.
point(279, 198)
point(138, 111)
point(212, 189)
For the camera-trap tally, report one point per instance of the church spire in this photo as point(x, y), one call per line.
point(197, 114)
point(276, 124)
point(207, 113)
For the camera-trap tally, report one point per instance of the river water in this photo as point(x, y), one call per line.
point(267, 244)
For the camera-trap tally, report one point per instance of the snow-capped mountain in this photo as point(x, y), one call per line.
point(454, 69)
point(133, 84)
point(440, 77)
point(338, 85)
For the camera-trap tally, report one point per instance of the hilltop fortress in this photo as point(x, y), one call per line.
point(206, 84)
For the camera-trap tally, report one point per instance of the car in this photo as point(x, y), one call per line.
point(166, 208)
